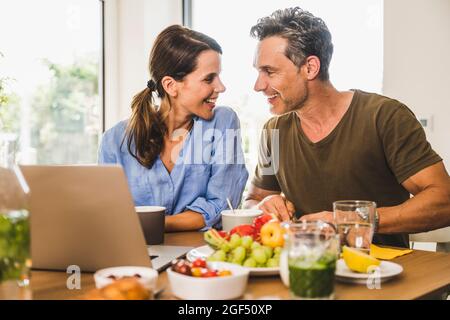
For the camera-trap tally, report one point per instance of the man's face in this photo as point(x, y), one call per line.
point(284, 84)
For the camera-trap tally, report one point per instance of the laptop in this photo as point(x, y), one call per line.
point(85, 216)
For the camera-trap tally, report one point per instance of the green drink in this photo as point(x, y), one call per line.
point(15, 259)
point(312, 280)
point(312, 251)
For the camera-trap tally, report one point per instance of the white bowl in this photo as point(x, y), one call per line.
point(148, 277)
point(214, 288)
point(231, 219)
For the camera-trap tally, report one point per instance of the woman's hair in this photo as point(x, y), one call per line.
point(306, 35)
point(174, 54)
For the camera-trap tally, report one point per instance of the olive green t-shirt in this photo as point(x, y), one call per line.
point(376, 146)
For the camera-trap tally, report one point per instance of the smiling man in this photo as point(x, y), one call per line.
point(338, 145)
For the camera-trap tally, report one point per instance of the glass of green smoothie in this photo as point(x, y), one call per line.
point(313, 249)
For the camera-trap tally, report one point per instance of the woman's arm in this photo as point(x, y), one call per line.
point(228, 173)
point(185, 221)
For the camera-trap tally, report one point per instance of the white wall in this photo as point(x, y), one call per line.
point(131, 27)
point(417, 72)
point(417, 63)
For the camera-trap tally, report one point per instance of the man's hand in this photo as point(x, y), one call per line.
point(326, 216)
point(279, 205)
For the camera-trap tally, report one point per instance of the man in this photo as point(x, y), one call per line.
point(338, 145)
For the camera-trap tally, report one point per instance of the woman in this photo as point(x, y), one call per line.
point(184, 154)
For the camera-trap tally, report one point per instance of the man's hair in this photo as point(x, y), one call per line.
point(306, 34)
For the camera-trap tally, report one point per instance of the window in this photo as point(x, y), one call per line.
point(50, 62)
point(356, 27)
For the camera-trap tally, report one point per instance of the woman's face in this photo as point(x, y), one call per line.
point(198, 91)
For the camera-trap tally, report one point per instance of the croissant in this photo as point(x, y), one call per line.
point(122, 289)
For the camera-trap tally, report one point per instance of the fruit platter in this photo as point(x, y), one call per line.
point(255, 246)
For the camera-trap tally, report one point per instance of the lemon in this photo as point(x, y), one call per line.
point(358, 261)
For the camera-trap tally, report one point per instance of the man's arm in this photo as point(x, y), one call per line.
point(269, 202)
point(429, 209)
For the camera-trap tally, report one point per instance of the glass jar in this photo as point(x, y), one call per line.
point(308, 262)
point(15, 260)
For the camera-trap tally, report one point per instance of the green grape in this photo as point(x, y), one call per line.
point(211, 258)
point(220, 255)
point(276, 257)
point(239, 254)
point(235, 241)
point(236, 262)
point(272, 263)
point(225, 247)
point(247, 242)
point(255, 245)
point(268, 251)
point(278, 250)
point(250, 263)
point(259, 255)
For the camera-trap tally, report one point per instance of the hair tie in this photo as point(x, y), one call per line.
point(151, 84)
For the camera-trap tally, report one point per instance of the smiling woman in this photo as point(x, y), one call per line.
point(185, 153)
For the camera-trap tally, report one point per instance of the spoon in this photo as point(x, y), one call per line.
point(231, 207)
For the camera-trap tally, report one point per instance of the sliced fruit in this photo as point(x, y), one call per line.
point(244, 230)
point(214, 239)
point(358, 261)
point(224, 235)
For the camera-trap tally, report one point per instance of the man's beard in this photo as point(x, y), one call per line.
point(299, 103)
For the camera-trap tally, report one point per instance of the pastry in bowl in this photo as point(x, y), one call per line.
point(145, 276)
point(122, 289)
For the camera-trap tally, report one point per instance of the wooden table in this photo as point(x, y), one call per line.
point(426, 275)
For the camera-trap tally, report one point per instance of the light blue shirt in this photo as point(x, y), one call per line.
point(209, 169)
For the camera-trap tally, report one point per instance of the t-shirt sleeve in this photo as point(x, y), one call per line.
point(268, 160)
point(405, 145)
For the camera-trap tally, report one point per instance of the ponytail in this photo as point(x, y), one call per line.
point(146, 128)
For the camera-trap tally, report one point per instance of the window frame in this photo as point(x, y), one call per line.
point(187, 13)
point(101, 75)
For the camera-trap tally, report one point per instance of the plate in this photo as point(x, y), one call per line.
point(387, 270)
point(206, 251)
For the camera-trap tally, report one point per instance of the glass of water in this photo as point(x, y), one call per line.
point(354, 221)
